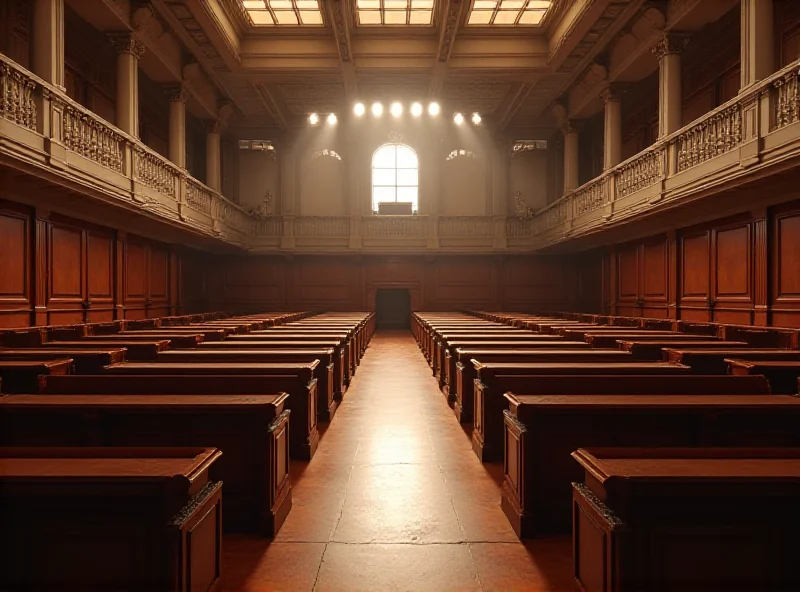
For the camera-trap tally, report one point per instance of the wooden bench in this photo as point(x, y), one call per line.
point(297, 379)
point(250, 429)
point(22, 376)
point(654, 350)
point(327, 401)
point(782, 375)
point(541, 431)
point(609, 339)
point(435, 343)
point(85, 361)
point(175, 340)
point(463, 401)
point(712, 360)
point(204, 334)
point(135, 351)
point(340, 366)
point(686, 519)
point(110, 519)
point(488, 403)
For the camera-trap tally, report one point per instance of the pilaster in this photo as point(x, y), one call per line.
point(129, 50)
point(757, 42)
point(48, 41)
point(612, 144)
point(668, 52)
point(178, 95)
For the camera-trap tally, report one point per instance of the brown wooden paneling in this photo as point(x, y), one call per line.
point(100, 276)
point(135, 272)
point(785, 268)
point(15, 270)
point(66, 280)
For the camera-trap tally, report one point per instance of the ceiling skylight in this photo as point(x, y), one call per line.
point(292, 13)
point(507, 13)
point(395, 12)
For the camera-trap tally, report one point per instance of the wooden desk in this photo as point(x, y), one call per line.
point(137, 351)
point(341, 370)
point(466, 373)
point(296, 379)
point(782, 375)
point(326, 400)
point(179, 337)
point(22, 376)
point(174, 340)
point(61, 509)
point(712, 360)
point(341, 339)
point(542, 431)
point(687, 519)
point(654, 350)
point(609, 339)
point(85, 361)
point(488, 404)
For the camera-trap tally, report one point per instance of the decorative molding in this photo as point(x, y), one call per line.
point(177, 92)
point(340, 29)
point(613, 93)
point(127, 42)
point(670, 44)
point(571, 126)
point(449, 29)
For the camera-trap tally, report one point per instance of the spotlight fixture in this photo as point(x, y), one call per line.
point(476, 118)
point(377, 109)
point(359, 109)
point(396, 109)
point(458, 118)
point(416, 109)
point(313, 119)
point(433, 109)
point(332, 119)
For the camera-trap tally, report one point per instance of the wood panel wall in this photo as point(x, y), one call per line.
point(741, 270)
point(56, 270)
point(351, 282)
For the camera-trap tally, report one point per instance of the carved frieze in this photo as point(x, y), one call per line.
point(449, 29)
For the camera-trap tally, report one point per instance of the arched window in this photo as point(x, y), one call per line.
point(395, 176)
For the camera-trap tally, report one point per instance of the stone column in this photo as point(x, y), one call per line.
point(571, 130)
point(668, 51)
point(612, 140)
point(178, 96)
point(48, 41)
point(757, 43)
point(129, 50)
point(213, 156)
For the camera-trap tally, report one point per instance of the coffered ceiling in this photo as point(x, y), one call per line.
point(279, 60)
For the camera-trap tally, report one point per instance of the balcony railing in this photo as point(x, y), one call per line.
point(52, 131)
point(755, 129)
point(41, 127)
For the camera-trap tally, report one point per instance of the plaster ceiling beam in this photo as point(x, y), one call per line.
point(274, 107)
point(162, 60)
point(339, 17)
point(103, 15)
point(450, 15)
point(218, 26)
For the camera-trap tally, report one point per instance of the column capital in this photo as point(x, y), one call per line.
point(670, 44)
point(212, 126)
point(571, 126)
point(613, 93)
point(126, 42)
point(177, 92)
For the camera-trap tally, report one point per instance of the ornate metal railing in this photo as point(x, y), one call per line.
point(17, 95)
point(465, 227)
point(322, 227)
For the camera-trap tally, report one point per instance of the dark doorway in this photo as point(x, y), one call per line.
point(393, 308)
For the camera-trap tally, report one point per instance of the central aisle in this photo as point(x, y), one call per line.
point(395, 499)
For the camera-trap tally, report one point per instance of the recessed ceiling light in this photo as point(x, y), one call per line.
point(313, 119)
point(476, 118)
point(433, 109)
point(377, 109)
point(332, 119)
point(458, 118)
point(396, 109)
point(359, 109)
point(416, 109)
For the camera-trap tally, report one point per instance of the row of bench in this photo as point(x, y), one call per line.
point(125, 462)
point(541, 390)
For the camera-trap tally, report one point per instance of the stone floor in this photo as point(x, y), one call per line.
point(395, 499)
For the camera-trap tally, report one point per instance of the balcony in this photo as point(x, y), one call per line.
point(45, 133)
point(754, 134)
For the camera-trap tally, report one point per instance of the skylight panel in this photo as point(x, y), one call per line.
point(508, 13)
point(283, 13)
point(395, 12)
